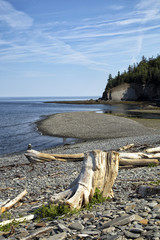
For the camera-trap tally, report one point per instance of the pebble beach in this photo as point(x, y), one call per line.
point(126, 216)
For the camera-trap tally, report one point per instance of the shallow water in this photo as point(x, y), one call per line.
point(18, 116)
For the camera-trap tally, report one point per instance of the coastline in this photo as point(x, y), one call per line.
point(46, 179)
point(91, 126)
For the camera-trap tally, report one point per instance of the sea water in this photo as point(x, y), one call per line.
point(18, 117)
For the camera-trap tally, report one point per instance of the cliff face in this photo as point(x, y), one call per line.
point(132, 92)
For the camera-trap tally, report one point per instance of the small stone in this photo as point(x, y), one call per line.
point(144, 221)
point(120, 221)
point(152, 204)
point(63, 227)
point(131, 235)
point(157, 207)
point(59, 236)
point(41, 224)
point(108, 230)
point(130, 207)
point(136, 230)
point(76, 226)
point(88, 232)
point(88, 216)
point(81, 235)
point(138, 218)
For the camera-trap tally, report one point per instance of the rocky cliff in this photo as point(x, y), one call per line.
point(132, 92)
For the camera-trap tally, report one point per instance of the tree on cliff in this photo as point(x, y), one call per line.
point(144, 72)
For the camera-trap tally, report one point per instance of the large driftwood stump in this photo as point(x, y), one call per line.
point(99, 170)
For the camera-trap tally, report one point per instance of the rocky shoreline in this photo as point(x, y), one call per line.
point(127, 216)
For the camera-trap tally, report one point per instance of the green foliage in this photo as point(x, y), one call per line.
point(53, 210)
point(152, 165)
point(157, 182)
point(7, 227)
point(97, 198)
point(144, 72)
point(6, 215)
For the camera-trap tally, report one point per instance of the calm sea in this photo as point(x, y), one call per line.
point(18, 117)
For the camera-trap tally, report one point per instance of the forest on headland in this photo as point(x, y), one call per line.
point(146, 72)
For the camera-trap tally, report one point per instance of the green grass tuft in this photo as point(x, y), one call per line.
point(7, 227)
point(53, 210)
point(157, 182)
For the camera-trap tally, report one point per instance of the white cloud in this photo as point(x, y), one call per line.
point(14, 18)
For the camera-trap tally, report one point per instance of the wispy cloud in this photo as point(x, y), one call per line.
point(93, 42)
point(14, 18)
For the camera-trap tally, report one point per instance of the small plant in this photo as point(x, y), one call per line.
point(53, 210)
point(9, 226)
point(152, 165)
point(6, 215)
point(157, 182)
point(97, 198)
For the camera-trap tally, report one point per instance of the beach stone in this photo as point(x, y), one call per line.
point(23, 233)
point(41, 224)
point(88, 216)
point(63, 227)
point(152, 204)
point(136, 230)
point(144, 221)
point(81, 235)
point(116, 237)
point(130, 207)
point(131, 235)
point(108, 230)
point(119, 221)
point(76, 226)
point(59, 236)
point(137, 217)
point(90, 232)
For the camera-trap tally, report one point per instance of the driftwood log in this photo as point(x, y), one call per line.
point(125, 158)
point(99, 170)
point(9, 204)
point(34, 156)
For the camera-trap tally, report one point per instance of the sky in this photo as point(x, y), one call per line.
point(69, 47)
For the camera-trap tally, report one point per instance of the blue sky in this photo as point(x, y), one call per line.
point(69, 47)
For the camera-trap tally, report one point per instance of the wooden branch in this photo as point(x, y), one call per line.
point(4, 203)
point(153, 150)
point(99, 170)
point(138, 162)
point(126, 147)
point(22, 219)
point(34, 156)
point(132, 155)
point(13, 202)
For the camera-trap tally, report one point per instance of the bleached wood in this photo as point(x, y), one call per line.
point(126, 147)
point(22, 219)
point(132, 155)
point(4, 203)
point(13, 202)
point(153, 150)
point(138, 162)
point(35, 156)
point(99, 170)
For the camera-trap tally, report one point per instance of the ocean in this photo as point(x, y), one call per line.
point(18, 117)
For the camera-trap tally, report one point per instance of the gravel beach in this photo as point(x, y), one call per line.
point(92, 125)
point(134, 217)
